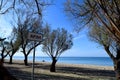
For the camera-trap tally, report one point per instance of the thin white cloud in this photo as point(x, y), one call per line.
point(79, 37)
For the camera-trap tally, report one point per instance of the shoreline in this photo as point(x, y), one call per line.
point(67, 64)
point(100, 61)
point(62, 62)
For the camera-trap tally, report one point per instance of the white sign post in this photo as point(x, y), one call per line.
point(34, 37)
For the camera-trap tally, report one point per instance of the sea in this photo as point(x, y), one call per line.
point(100, 61)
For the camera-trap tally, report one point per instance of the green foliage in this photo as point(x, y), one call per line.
point(99, 35)
point(31, 24)
point(56, 42)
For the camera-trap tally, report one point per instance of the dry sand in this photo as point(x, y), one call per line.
point(63, 71)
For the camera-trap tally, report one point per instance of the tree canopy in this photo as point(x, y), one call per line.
point(105, 13)
point(57, 42)
point(34, 5)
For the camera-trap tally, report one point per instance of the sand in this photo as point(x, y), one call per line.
point(63, 71)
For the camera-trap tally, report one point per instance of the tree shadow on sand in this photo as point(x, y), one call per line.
point(25, 75)
point(89, 72)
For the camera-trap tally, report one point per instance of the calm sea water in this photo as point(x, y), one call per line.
point(102, 61)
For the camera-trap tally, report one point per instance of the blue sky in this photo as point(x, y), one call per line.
point(56, 17)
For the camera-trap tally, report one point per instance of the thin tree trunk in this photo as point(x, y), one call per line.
point(2, 54)
point(52, 68)
point(2, 58)
point(10, 62)
point(26, 60)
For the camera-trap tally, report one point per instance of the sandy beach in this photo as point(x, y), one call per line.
point(63, 71)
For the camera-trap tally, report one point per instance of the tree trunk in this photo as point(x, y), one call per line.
point(2, 58)
point(10, 62)
point(52, 68)
point(117, 69)
point(26, 60)
point(117, 64)
point(2, 54)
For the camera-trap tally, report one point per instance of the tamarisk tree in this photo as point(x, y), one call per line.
point(56, 42)
point(102, 13)
point(110, 45)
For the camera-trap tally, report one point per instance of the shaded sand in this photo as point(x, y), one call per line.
point(63, 71)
